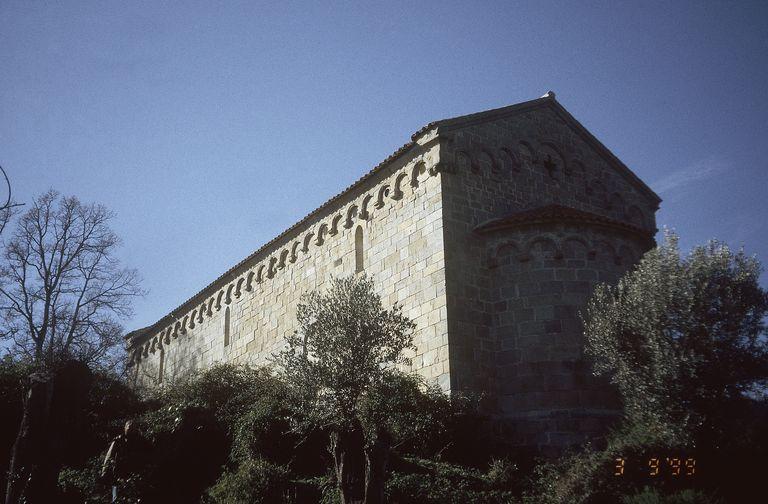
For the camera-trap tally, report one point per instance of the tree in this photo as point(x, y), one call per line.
point(62, 290)
point(682, 338)
point(7, 209)
point(347, 346)
point(62, 293)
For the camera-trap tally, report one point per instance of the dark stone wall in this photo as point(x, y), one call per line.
point(546, 394)
point(513, 295)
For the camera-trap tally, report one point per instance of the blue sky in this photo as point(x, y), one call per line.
point(211, 127)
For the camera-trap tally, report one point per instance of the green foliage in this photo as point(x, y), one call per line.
point(347, 344)
point(255, 481)
point(682, 338)
point(226, 392)
point(581, 476)
point(429, 481)
point(84, 485)
point(111, 403)
point(13, 375)
point(653, 496)
point(423, 420)
point(235, 415)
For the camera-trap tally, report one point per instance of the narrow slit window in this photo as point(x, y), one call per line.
point(161, 367)
point(226, 327)
point(359, 252)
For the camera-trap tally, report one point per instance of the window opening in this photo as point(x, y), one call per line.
point(161, 367)
point(359, 253)
point(226, 327)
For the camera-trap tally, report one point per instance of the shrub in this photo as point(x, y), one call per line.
point(254, 481)
point(652, 496)
point(429, 481)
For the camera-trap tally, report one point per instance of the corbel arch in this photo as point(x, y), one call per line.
point(283, 258)
point(483, 163)
point(294, 251)
point(552, 160)
point(418, 169)
point(573, 245)
point(307, 241)
point(271, 268)
point(239, 287)
point(260, 273)
point(335, 224)
point(219, 296)
point(228, 298)
point(381, 196)
point(547, 243)
point(321, 232)
point(575, 168)
point(249, 281)
point(364, 207)
point(503, 249)
point(398, 192)
point(527, 156)
point(463, 161)
point(351, 214)
point(508, 162)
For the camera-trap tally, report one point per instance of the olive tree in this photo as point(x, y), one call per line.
point(682, 337)
point(347, 346)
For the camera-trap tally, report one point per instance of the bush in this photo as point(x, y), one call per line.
point(429, 481)
point(683, 338)
point(582, 476)
point(424, 421)
point(652, 496)
point(255, 481)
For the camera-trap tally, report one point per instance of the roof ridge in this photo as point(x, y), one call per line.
point(549, 97)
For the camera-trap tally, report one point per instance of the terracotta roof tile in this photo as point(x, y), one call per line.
point(447, 123)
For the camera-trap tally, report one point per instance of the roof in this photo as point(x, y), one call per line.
point(557, 213)
point(442, 125)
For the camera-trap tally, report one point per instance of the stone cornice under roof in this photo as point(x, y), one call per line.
point(554, 213)
point(441, 126)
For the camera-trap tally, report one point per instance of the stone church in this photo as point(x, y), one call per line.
point(491, 229)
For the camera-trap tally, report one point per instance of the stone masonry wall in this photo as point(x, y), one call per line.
point(400, 212)
point(496, 301)
point(514, 331)
point(545, 391)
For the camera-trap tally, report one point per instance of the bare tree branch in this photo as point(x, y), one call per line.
point(62, 290)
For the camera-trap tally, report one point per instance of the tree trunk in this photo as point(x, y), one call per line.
point(377, 456)
point(29, 446)
point(349, 460)
point(52, 423)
